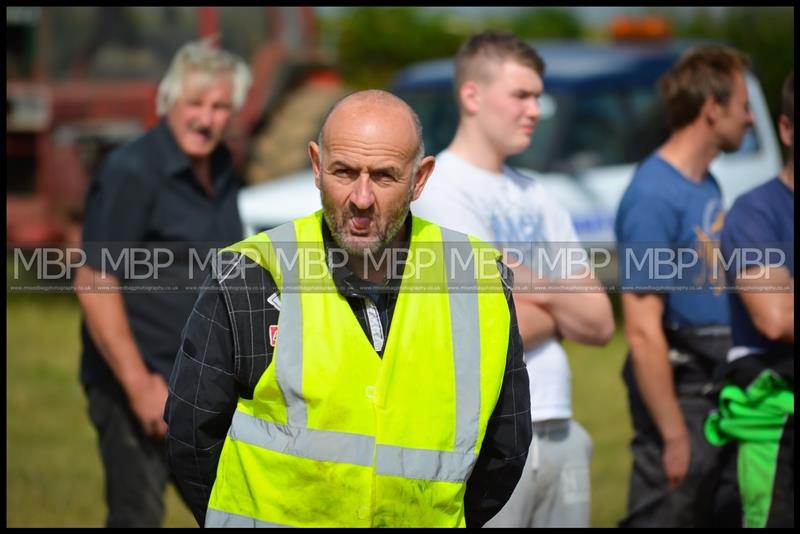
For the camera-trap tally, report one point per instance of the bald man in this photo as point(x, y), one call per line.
point(358, 367)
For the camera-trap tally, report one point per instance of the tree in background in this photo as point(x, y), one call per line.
point(545, 23)
point(765, 33)
point(373, 43)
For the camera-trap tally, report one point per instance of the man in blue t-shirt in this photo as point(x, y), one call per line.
point(676, 317)
point(757, 404)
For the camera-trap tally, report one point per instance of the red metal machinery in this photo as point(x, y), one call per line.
point(81, 81)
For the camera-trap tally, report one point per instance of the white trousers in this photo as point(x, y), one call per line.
point(554, 489)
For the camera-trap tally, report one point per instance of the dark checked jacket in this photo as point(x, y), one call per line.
point(212, 370)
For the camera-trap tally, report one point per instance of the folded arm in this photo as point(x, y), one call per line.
point(579, 309)
point(768, 295)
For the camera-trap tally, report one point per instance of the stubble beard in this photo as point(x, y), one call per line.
point(384, 236)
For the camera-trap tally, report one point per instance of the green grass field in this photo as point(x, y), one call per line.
point(53, 474)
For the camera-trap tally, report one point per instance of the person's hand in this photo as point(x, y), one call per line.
point(675, 459)
point(148, 402)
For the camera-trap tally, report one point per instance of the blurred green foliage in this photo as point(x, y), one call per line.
point(373, 43)
point(546, 23)
point(766, 34)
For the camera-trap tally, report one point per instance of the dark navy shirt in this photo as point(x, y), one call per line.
point(145, 203)
point(666, 228)
point(761, 223)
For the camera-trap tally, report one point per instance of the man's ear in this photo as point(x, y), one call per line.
point(711, 110)
point(786, 130)
point(314, 156)
point(423, 173)
point(469, 96)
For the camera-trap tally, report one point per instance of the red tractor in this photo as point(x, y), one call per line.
point(81, 81)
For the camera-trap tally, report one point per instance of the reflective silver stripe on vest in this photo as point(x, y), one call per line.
point(424, 464)
point(323, 445)
point(357, 449)
point(219, 519)
point(465, 331)
point(289, 345)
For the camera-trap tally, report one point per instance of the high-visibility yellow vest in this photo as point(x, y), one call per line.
point(336, 435)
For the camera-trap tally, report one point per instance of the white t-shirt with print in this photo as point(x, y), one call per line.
point(503, 208)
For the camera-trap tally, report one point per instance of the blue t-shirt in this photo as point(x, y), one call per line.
point(667, 228)
point(761, 224)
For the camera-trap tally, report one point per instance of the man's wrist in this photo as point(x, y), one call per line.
point(675, 435)
point(134, 380)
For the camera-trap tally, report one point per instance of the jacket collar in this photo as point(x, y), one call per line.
point(350, 285)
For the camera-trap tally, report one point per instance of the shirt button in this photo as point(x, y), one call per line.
point(369, 392)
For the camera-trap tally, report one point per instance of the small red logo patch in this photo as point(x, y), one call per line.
point(273, 334)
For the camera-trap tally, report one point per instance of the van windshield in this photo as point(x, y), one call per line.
point(439, 117)
point(577, 130)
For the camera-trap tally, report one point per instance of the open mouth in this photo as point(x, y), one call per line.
point(360, 225)
point(202, 136)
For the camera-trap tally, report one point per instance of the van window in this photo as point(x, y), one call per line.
point(438, 114)
point(577, 130)
point(596, 135)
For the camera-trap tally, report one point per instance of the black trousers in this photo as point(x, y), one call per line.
point(134, 465)
point(743, 372)
point(781, 511)
point(708, 496)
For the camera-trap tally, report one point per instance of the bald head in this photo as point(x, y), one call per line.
point(371, 113)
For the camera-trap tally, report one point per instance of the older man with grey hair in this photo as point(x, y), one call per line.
point(173, 186)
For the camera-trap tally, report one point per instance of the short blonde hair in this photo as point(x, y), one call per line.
point(201, 56)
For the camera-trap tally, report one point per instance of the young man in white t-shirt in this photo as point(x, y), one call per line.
point(498, 80)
